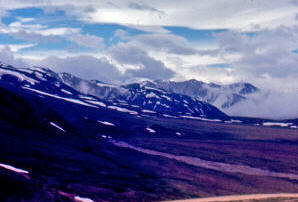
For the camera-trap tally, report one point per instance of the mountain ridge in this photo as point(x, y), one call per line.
point(68, 87)
point(222, 96)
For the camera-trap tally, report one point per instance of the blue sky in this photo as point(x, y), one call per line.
point(119, 41)
point(59, 19)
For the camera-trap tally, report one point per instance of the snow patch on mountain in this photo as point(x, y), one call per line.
point(120, 109)
point(148, 111)
point(277, 124)
point(106, 123)
point(82, 199)
point(150, 130)
point(202, 119)
point(152, 95)
point(65, 91)
point(59, 97)
point(20, 76)
point(56, 126)
point(86, 97)
point(101, 104)
point(14, 169)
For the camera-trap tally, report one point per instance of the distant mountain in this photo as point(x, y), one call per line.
point(221, 96)
point(166, 102)
point(146, 98)
point(133, 99)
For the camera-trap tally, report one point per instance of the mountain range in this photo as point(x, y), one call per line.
point(132, 98)
point(221, 96)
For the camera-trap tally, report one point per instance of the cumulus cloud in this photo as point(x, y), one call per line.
point(169, 43)
point(174, 52)
point(7, 56)
point(210, 74)
point(126, 60)
point(34, 37)
point(87, 40)
point(87, 67)
point(143, 65)
point(263, 56)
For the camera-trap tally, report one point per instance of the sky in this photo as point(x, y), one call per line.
point(115, 41)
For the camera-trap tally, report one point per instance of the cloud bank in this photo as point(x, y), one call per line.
point(269, 104)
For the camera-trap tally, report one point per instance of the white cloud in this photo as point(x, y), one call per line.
point(26, 19)
point(203, 14)
point(268, 104)
point(168, 43)
point(34, 37)
point(35, 56)
point(176, 52)
point(18, 25)
point(208, 74)
point(22, 26)
point(87, 67)
point(26, 30)
point(90, 41)
point(61, 31)
point(265, 57)
point(16, 47)
point(8, 57)
point(137, 62)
